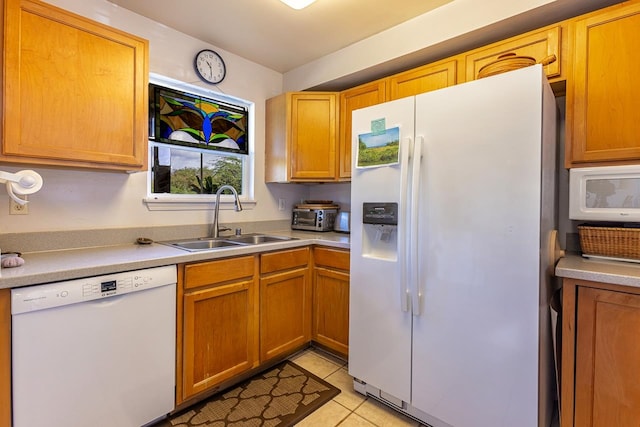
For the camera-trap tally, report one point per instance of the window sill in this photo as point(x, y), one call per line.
point(186, 203)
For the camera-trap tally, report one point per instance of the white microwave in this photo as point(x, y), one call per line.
point(605, 193)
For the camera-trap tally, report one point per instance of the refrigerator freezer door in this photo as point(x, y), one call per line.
point(379, 329)
point(475, 345)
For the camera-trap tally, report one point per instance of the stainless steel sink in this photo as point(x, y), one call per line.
point(203, 244)
point(211, 243)
point(256, 239)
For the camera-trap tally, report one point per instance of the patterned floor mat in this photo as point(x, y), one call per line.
point(280, 396)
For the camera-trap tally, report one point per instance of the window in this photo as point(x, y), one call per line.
point(198, 140)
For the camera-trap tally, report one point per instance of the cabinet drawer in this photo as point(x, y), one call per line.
point(331, 258)
point(538, 45)
point(219, 271)
point(284, 260)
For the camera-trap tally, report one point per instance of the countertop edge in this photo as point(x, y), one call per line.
point(67, 264)
point(574, 266)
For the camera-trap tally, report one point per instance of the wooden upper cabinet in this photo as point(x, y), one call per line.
point(302, 137)
point(75, 90)
point(423, 79)
point(361, 96)
point(602, 114)
point(538, 44)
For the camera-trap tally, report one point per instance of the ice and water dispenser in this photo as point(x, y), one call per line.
point(380, 230)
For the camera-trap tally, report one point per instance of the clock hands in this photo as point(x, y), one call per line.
point(210, 68)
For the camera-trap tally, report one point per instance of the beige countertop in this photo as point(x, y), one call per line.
point(599, 270)
point(66, 264)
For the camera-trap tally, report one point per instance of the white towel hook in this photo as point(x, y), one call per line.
point(21, 183)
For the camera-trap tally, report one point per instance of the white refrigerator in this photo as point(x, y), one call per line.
point(453, 204)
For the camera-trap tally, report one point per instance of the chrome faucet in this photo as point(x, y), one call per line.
point(215, 231)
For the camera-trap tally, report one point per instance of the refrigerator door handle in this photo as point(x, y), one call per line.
point(414, 259)
point(403, 232)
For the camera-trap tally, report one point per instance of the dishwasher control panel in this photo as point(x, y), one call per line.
point(38, 297)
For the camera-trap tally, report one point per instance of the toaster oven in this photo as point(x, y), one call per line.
point(312, 218)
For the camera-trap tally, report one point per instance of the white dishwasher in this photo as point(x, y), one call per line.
point(98, 351)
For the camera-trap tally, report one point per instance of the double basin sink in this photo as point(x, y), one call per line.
point(211, 243)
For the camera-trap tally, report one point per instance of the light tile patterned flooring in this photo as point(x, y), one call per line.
point(349, 408)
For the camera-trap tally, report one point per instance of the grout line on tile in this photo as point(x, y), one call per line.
point(327, 376)
point(328, 356)
point(361, 403)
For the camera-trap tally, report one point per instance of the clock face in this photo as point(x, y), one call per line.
point(210, 66)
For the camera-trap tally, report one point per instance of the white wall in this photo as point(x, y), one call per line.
point(76, 199)
point(447, 22)
point(454, 27)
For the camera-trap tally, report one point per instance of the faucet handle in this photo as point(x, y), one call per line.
point(238, 231)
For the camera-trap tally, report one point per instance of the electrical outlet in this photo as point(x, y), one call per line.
point(281, 204)
point(17, 208)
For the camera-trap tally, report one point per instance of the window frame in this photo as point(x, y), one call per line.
point(168, 201)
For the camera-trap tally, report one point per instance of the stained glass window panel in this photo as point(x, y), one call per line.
point(180, 118)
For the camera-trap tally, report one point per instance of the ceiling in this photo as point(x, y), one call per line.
point(272, 34)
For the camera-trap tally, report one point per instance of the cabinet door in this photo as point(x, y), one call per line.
point(313, 136)
point(602, 117)
point(423, 79)
point(75, 90)
point(358, 97)
point(607, 357)
point(285, 312)
point(330, 325)
point(537, 44)
point(218, 335)
point(331, 309)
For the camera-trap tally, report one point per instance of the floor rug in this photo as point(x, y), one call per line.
point(280, 396)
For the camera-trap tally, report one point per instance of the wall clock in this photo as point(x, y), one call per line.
point(209, 66)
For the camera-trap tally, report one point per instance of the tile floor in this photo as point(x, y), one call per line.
point(349, 408)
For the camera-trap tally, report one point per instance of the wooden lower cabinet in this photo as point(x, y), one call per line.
point(330, 324)
point(217, 323)
point(235, 314)
point(601, 355)
point(285, 302)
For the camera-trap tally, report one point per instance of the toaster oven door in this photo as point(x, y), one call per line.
point(304, 219)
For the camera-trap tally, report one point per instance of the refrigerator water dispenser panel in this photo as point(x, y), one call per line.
point(380, 231)
point(380, 213)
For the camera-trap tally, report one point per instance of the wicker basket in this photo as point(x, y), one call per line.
point(509, 62)
point(610, 241)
